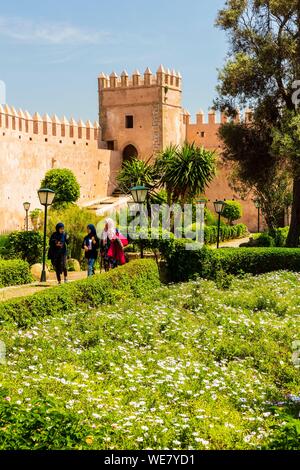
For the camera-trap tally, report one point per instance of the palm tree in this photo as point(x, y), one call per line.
point(186, 171)
point(162, 164)
point(137, 172)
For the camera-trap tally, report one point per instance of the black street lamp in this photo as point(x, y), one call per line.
point(26, 206)
point(219, 207)
point(46, 197)
point(139, 195)
point(258, 206)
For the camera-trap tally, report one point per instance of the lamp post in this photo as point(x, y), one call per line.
point(46, 197)
point(139, 195)
point(258, 206)
point(219, 207)
point(26, 206)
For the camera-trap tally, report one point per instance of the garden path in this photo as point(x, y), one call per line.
point(12, 292)
point(232, 243)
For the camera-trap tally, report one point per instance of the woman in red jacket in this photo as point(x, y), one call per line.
point(112, 245)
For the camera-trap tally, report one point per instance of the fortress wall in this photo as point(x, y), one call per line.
point(205, 133)
point(26, 156)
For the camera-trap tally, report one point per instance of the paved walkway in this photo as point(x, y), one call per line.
point(7, 293)
point(232, 243)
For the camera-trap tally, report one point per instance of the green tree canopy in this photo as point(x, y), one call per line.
point(186, 171)
point(232, 211)
point(65, 185)
point(256, 168)
point(135, 172)
point(263, 64)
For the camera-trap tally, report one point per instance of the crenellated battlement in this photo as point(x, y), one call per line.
point(205, 131)
point(63, 130)
point(214, 118)
point(163, 77)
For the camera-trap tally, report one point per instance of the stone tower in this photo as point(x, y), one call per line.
point(141, 115)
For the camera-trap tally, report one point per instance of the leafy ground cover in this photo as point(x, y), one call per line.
point(189, 366)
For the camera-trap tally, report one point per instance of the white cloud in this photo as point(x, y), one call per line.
point(41, 33)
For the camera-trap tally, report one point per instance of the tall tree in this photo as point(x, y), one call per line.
point(256, 168)
point(264, 62)
point(137, 172)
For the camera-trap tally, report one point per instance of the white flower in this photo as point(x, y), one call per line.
point(202, 441)
point(176, 443)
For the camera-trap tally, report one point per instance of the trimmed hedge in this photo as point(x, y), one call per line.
point(184, 264)
point(227, 232)
point(133, 279)
point(14, 273)
point(27, 246)
point(259, 260)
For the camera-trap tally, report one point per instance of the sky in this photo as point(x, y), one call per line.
point(52, 52)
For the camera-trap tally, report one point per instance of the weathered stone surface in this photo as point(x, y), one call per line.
point(36, 271)
point(74, 265)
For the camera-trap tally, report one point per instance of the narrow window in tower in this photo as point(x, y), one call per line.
point(110, 145)
point(129, 122)
point(202, 134)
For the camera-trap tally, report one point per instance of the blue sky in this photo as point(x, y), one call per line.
point(52, 51)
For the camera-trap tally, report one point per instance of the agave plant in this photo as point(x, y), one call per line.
point(186, 171)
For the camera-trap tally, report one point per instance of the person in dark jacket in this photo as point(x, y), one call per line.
point(91, 247)
point(58, 252)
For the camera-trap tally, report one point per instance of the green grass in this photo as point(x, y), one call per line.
point(188, 367)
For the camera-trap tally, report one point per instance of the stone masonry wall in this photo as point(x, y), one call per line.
point(30, 146)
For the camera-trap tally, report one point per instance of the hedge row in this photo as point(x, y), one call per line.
point(227, 232)
point(183, 264)
point(155, 239)
point(135, 278)
point(14, 272)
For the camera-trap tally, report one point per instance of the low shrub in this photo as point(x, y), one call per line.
point(275, 237)
point(264, 240)
point(280, 235)
point(27, 246)
point(258, 260)
point(3, 244)
point(135, 278)
point(184, 264)
point(14, 272)
point(227, 232)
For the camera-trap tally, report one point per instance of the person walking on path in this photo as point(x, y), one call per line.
point(91, 247)
point(112, 245)
point(58, 252)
